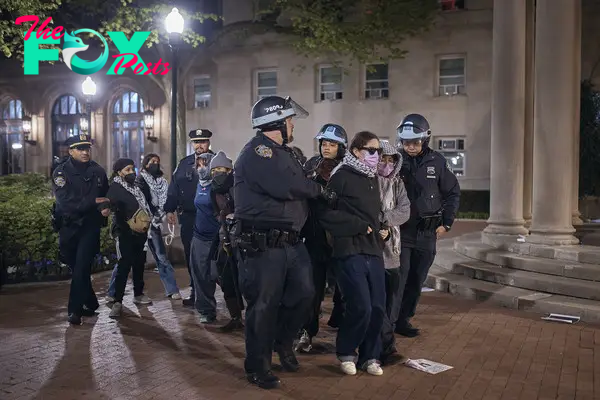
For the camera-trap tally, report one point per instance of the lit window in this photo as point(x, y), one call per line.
point(454, 151)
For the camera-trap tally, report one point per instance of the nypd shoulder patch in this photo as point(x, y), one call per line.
point(264, 151)
point(60, 181)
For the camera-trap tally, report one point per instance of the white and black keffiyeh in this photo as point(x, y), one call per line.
point(158, 190)
point(136, 192)
point(357, 165)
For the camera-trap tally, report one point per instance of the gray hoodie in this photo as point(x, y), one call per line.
point(395, 207)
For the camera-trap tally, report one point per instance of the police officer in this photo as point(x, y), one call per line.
point(434, 195)
point(270, 196)
point(80, 187)
point(181, 194)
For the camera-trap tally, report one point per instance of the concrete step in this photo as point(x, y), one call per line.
point(534, 281)
point(515, 298)
point(581, 254)
point(569, 269)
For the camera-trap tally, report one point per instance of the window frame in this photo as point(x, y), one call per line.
point(210, 87)
point(367, 81)
point(320, 90)
point(258, 96)
point(439, 76)
point(456, 139)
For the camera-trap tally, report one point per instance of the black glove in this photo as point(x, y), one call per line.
point(329, 195)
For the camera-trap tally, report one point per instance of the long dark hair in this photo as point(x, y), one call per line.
point(361, 139)
point(147, 159)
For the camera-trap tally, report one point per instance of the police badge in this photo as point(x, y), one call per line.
point(60, 181)
point(264, 151)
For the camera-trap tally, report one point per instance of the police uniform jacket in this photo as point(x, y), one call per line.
point(431, 187)
point(270, 188)
point(182, 188)
point(76, 186)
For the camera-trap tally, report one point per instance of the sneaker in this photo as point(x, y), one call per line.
point(305, 343)
point(348, 367)
point(115, 311)
point(88, 312)
point(143, 299)
point(207, 319)
point(75, 319)
point(110, 299)
point(265, 380)
point(175, 296)
point(374, 369)
point(155, 270)
point(189, 302)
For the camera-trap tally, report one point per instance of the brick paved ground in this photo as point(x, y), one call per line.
point(162, 352)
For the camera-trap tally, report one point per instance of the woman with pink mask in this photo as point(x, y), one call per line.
point(395, 210)
point(358, 245)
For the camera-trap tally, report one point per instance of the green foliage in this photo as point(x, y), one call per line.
point(11, 35)
point(28, 245)
point(589, 147)
point(365, 30)
point(473, 215)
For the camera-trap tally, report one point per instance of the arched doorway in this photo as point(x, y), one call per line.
point(128, 127)
point(11, 134)
point(66, 114)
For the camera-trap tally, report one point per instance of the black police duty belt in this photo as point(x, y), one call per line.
point(430, 223)
point(260, 240)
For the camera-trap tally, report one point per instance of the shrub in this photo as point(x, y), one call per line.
point(29, 246)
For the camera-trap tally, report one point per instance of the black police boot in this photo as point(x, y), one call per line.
point(288, 360)
point(189, 302)
point(406, 329)
point(264, 380)
point(234, 324)
point(74, 319)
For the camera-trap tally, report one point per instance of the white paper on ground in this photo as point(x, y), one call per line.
point(427, 289)
point(568, 319)
point(430, 367)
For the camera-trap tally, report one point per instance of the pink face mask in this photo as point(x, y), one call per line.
point(385, 169)
point(370, 160)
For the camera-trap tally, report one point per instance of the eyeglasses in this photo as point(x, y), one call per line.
point(372, 150)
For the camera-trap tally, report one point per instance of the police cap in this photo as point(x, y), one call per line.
point(78, 141)
point(200, 134)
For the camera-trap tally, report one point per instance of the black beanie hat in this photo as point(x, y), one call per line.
point(122, 163)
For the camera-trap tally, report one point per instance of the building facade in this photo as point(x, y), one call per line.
point(446, 76)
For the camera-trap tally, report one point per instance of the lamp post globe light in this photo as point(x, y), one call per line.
point(88, 88)
point(174, 25)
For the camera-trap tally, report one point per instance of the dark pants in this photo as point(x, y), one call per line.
point(361, 279)
point(393, 300)
point(186, 222)
point(414, 267)
point(131, 254)
point(319, 276)
point(78, 247)
point(278, 288)
point(205, 282)
point(228, 277)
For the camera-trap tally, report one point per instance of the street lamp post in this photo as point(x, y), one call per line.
point(174, 24)
point(88, 87)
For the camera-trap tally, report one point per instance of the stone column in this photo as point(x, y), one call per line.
point(576, 215)
point(508, 98)
point(554, 115)
point(529, 106)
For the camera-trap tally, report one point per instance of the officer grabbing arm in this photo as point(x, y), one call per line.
point(434, 195)
point(270, 196)
point(181, 194)
point(80, 187)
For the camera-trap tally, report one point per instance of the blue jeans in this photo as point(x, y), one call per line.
point(165, 268)
point(361, 279)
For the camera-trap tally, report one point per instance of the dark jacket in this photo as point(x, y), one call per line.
point(315, 237)
point(432, 188)
point(123, 205)
point(271, 190)
point(358, 208)
point(145, 188)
